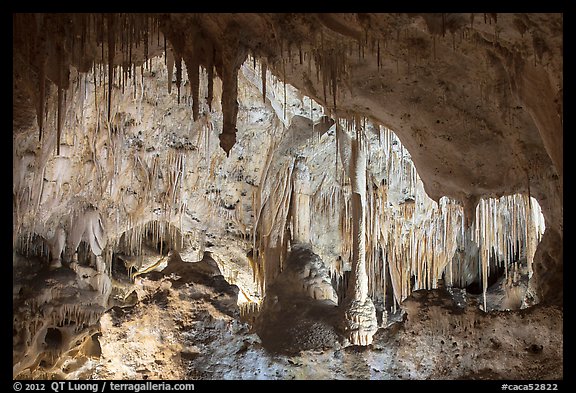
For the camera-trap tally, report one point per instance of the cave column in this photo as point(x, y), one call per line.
point(301, 203)
point(101, 282)
point(57, 244)
point(360, 321)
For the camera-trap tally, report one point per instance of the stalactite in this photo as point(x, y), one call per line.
point(263, 76)
point(484, 261)
point(123, 46)
point(101, 43)
point(284, 86)
point(529, 233)
point(336, 140)
point(210, 76)
point(111, 53)
point(165, 51)
point(59, 115)
point(333, 70)
point(178, 74)
point(193, 68)
point(229, 76)
point(41, 97)
point(378, 55)
point(146, 42)
point(156, 24)
point(130, 44)
point(324, 81)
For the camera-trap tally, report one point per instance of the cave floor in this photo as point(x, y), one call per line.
point(193, 331)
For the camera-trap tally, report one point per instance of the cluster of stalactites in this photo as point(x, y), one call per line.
point(159, 233)
point(278, 211)
point(411, 240)
point(417, 239)
point(270, 237)
point(31, 244)
point(506, 227)
point(248, 309)
point(50, 44)
point(115, 46)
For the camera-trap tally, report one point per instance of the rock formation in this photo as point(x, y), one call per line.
point(403, 151)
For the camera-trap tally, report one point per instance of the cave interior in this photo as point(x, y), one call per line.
point(287, 196)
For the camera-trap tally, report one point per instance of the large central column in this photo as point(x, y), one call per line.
point(360, 321)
